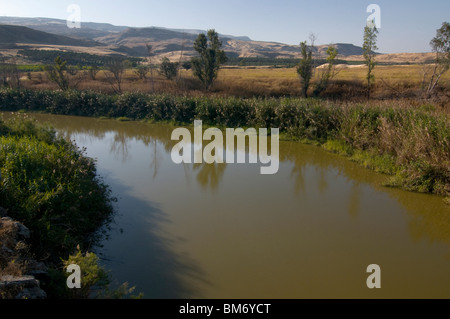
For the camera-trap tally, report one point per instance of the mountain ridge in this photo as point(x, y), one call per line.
point(134, 41)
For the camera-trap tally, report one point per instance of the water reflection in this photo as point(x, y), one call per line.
point(309, 180)
point(209, 175)
point(429, 216)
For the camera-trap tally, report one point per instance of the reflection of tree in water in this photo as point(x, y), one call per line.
point(119, 146)
point(429, 215)
point(354, 205)
point(155, 158)
point(209, 175)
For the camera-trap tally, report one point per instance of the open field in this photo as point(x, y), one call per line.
point(391, 82)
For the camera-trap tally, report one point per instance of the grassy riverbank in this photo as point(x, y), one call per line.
point(52, 188)
point(409, 142)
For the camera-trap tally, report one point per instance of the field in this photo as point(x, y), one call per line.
point(391, 82)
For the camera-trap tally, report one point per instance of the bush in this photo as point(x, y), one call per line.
point(51, 187)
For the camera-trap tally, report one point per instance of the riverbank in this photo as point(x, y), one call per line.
point(51, 188)
point(409, 143)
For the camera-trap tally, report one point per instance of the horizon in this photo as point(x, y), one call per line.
point(262, 21)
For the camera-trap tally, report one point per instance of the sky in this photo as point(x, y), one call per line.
point(404, 26)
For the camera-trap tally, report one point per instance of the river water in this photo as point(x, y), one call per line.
point(226, 231)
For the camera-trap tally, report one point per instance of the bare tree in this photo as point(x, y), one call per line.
point(150, 56)
point(312, 41)
point(180, 61)
point(114, 74)
point(10, 74)
point(441, 46)
point(93, 70)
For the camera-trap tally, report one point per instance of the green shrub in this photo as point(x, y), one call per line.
point(50, 186)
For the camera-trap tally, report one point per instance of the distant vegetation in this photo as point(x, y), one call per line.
point(276, 62)
point(74, 58)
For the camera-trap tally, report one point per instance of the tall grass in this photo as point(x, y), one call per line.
point(51, 187)
point(410, 143)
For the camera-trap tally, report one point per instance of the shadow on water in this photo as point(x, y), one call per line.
point(138, 252)
point(428, 216)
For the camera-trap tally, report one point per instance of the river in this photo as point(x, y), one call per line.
point(226, 231)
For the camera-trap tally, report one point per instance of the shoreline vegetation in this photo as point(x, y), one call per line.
point(409, 143)
point(53, 206)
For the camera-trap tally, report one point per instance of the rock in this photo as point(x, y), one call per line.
point(27, 287)
point(3, 212)
point(18, 280)
point(22, 230)
point(32, 293)
point(36, 268)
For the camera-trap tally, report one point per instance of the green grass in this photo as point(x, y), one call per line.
point(50, 186)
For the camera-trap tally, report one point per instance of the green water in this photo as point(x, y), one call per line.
point(225, 231)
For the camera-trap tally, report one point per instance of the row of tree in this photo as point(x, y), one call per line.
point(207, 64)
point(439, 44)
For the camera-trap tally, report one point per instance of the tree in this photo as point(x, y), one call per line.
point(441, 46)
point(329, 72)
point(10, 74)
point(142, 71)
point(304, 68)
point(168, 69)
point(206, 66)
point(57, 73)
point(93, 70)
point(116, 69)
point(150, 56)
point(187, 65)
point(369, 47)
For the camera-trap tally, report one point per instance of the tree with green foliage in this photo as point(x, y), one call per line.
point(369, 47)
point(304, 68)
point(441, 46)
point(142, 72)
point(329, 72)
point(206, 66)
point(187, 65)
point(168, 69)
point(57, 73)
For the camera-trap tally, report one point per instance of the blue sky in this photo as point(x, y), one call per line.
point(406, 26)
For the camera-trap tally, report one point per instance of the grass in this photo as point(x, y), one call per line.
point(51, 187)
point(391, 82)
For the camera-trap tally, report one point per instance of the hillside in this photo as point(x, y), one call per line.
point(89, 31)
point(106, 39)
point(11, 35)
point(166, 42)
